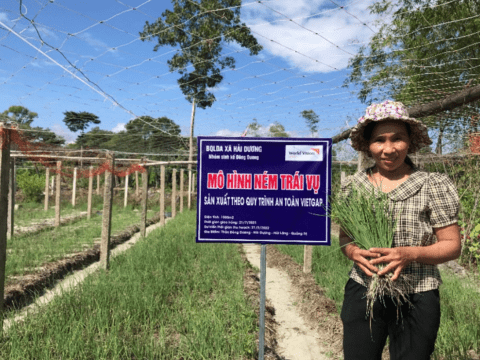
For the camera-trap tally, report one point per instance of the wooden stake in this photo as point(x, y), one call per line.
point(58, 194)
point(74, 191)
point(307, 259)
point(98, 184)
point(136, 183)
point(47, 188)
point(125, 200)
point(90, 193)
point(181, 190)
point(4, 170)
point(11, 200)
point(342, 176)
point(107, 212)
point(189, 189)
point(193, 183)
point(162, 195)
point(143, 222)
point(174, 193)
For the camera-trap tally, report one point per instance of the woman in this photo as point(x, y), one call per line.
point(427, 234)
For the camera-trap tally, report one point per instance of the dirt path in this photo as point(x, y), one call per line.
point(298, 334)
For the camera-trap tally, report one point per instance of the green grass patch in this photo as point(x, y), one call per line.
point(460, 319)
point(166, 298)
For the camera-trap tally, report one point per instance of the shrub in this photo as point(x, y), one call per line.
point(31, 184)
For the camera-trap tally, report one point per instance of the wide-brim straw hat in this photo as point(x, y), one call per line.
point(390, 110)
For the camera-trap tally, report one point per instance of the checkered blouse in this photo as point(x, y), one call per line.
point(427, 201)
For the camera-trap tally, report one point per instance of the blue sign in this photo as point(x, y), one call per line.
point(263, 190)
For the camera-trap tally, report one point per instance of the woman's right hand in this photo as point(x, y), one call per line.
point(361, 258)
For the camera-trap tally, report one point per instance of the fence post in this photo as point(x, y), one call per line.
point(342, 176)
point(307, 259)
point(98, 184)
point(11, 200)
point(174, 193)
point(53, 184)
point(193, 184)
point(136, 183)
point(190, 189)
point(74, 191)
point(143, 222)
point(181, 190)
point(47, 178)
point(107, 212)
point(58, 193)
point(125, 200)
point(90, 192)
point(162, 195)
point(4, 167)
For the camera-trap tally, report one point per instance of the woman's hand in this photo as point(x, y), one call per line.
point(395, 258)
point(361, 258)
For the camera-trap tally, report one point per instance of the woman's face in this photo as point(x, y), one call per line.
point(389, 144)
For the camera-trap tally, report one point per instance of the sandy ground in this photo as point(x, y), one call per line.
point(296, 340)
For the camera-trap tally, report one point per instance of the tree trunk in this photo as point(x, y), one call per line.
point(438, 148)
point(190, 154)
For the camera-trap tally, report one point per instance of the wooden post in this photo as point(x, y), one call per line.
point(143, 222)
point(307, 259)
point(47, 176)
point(162, 195)
point(107, 212)
point(193, 184)
point(90, 193)
point(189, 189)
point(58, 194)
point(4, 169)
point(11, 200)
point(342, 176)
point(181, 190)
point(125, 200)
point(136, 183)
point(53, 183)
point(174, 193)
point(98, 184)
point(74, 191)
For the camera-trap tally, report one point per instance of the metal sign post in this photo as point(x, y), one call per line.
point(263, 275)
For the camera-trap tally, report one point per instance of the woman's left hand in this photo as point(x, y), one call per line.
point(396, 259)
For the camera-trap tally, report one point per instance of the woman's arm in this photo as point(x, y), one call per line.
point(447, 247)
point(359, 256)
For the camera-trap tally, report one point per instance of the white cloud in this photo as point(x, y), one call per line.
point(228, 133)
point(313, 53)
point(119, 127)
point(63, 131)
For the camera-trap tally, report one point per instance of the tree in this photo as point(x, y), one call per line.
point(199, 29)
point(76, 121)
point(277, 130)
point(424, 52)
point(19, 114)
point(312, 119)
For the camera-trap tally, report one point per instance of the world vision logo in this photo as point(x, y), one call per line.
point(316, 150)
point(303, 153)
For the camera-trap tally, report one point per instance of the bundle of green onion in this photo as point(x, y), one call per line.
point(367, 218)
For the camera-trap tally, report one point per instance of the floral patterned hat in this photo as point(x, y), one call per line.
point(390, 110)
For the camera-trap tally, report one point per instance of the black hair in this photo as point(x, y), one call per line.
point(367, 135)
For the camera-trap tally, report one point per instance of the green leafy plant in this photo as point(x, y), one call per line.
point(31, 184)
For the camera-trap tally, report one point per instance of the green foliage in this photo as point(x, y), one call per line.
point(31, 184)
point(277, 130)
point(312, 120)
point(76, 121)
point(199, 29)
point(19, 114)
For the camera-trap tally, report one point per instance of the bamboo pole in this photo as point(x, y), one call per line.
point(47, 178)
point(181, 189)
point(58, 193)
point(143, 223)
point(125, 200)
point(307, 259)
point(162, 195)
point(107, 213)
point(4, 169)
point(90, 193)
point(174, 193)
point(74, 190)
point(136, 184)
point(11, 200)
point(189, 189)
point(98, 184)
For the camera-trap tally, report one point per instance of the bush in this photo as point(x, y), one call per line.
point(31, 184)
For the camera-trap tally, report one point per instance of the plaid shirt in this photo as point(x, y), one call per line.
point(426, 201)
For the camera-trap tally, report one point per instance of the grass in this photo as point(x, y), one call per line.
point(460, 300)
point(166, 298)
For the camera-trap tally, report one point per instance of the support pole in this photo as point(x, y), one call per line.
point(11, 200)
point(74, 191)
point(98, 184)
point(143, 222)
point(162, 195)
point(263, 275)
point(136, 184)
point(90, 193)
point(174, 193)
point(5, 132)
point(47, 188)
point(107, 212)
point(189, 189)
point(125, 200)
point(307, 259)
point(58, 193)
point(342, 176)
point(181, 189)
point(193, 184)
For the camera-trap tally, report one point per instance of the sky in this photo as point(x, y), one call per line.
point(307, 46)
